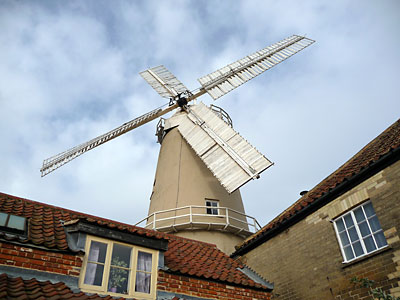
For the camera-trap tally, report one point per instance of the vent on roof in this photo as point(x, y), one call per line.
point(302, 193)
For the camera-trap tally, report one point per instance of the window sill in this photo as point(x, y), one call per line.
point(135, 295)
point(13, 231)
point(357, 260)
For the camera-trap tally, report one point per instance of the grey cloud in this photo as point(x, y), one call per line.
point(69, 73)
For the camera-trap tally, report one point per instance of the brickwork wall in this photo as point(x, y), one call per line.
point(30, 258)
point(305, 261)
point(206, 289)
point(53, 262)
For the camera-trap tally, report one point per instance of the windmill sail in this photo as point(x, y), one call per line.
point(224, 152)
point(231, 159)
point(163, 81)
point(54, 162)
point(235, 74)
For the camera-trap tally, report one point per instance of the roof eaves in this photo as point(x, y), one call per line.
point(256, 277)
point(250, 283)
point(103, 230)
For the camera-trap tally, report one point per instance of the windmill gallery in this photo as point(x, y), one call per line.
point(182, 251)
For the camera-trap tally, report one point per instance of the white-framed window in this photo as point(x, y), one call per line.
point(212, 207)
point(359, 232)
point(119, 269)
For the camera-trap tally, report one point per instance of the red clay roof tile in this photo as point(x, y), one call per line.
point(45, 227)
point(17, 288)
point(385, 143)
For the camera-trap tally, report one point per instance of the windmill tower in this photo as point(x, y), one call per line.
point(187, 197)
point(203, 161)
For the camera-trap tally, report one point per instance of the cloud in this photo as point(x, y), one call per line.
point(69, 72)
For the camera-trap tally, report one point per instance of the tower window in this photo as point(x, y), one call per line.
point(212, 207)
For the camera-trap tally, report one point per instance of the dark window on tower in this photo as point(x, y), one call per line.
point(212, 207)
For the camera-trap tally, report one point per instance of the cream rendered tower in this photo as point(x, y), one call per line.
point(189, 201)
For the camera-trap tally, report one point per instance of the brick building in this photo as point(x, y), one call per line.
point(47, 252)
point(347, 226)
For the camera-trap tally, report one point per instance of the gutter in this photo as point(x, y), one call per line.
point(384, 161)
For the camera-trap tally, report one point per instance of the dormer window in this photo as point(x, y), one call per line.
point(118, 269)
point(12, 223)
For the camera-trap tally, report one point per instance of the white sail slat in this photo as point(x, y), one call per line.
point(252, 65)
point(56, 161)
point(231, 159)
point(163, 81)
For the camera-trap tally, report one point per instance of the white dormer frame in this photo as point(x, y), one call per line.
point(103, 288)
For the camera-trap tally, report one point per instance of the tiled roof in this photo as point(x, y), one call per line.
point(184, 256)
point(17, 288)
point(45, 228)
point(204, 260)
point(387, 143)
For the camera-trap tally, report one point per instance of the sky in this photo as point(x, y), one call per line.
point(69, 72)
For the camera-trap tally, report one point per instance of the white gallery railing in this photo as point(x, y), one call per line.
point(195, 217)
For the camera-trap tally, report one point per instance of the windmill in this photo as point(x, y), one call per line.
point(219, 160)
